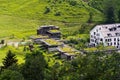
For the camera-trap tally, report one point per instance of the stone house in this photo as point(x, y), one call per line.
point(56, 34)
point(37, 38)
point(50, 30)
point(50, 44)
point(67, 52)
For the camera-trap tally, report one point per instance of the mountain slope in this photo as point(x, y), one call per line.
point(64, 13)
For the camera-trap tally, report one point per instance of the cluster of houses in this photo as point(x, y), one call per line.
point(49, 37)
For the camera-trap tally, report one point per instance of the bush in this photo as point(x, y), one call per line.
point(58, 14)
point(2, 41)
point(47, 10)
point(73, 2)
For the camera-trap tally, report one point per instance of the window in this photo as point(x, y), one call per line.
point(110, 40)
point(94, 33)
point(98, 34)
point(114, 43)
point(118, 39)
point(109, 35)
point(92, 40)
point(112, 29)
point(117, 46)
point(114, 39)
point(111, 44)
point(119, 26)
point(95, 41)
point(91, 36)
point(101, 39)
point(106, 40)
point(117, 34)
point(117, 43)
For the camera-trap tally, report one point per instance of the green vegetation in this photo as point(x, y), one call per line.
point(19, 19)
point(18, 51)
point(39, 36)
point(16, 26)
point(54, 31)
point(109, 8)
point(9, 60)
point(52, 42)
point(35, 69)
point(67, 49)
point(11, 75)
point(91, 66)
point(99, 48)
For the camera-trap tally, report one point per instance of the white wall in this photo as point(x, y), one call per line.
point(97, 35)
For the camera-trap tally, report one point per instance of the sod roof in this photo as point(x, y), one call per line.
point(54, 31)
point(68, 50)
point(51, 42)
point(39, 36)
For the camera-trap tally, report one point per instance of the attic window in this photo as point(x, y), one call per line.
point(117, 34)
point(119, 26)
point(109, 35)
point(112, 29)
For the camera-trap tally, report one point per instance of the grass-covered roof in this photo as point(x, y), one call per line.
point(51, 42)
point(54, 31)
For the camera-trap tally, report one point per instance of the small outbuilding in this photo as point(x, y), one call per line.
point(56, 34)
point(50, 30)
point(50, 44)
point(67, 52)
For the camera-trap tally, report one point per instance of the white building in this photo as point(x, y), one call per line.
point(108, 35)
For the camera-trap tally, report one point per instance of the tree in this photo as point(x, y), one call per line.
point(11, 75)
point(118, 15)
point(9, 60)
point(72, 2)
point(90, 17)
point(110, 15)
point(99, 66)
point(109, 11)
point(34, 66)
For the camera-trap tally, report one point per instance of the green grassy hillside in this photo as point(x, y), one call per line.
point(22, 17)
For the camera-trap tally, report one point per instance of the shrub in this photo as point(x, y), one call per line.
point(73, 2)
point(47, 10)
point(58, 14)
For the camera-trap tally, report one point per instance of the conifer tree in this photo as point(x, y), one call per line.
point(9, 60)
